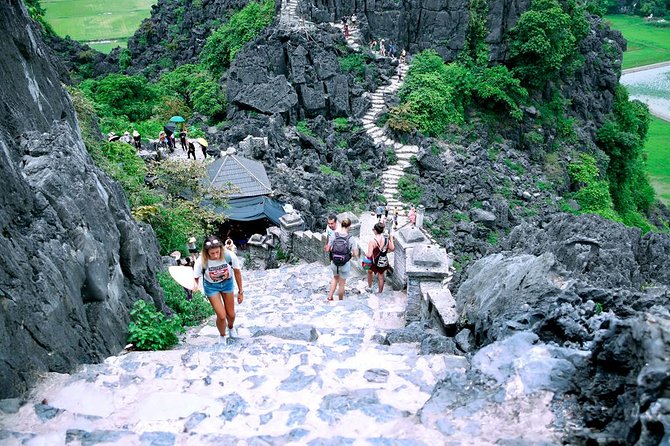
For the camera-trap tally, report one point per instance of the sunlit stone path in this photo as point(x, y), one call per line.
point(302, 370)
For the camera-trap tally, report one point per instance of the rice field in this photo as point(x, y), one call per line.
point(658, 158)
point(647, 44)
point(101, 24)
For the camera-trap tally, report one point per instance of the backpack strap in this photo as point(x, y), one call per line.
point(386, 242)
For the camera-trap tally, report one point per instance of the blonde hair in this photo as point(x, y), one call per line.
point(345, 223)
point(205, 254)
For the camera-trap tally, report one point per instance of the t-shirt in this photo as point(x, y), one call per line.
point(217, 270)
point(380, 210)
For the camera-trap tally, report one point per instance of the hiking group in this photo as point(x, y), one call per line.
point(342, 247)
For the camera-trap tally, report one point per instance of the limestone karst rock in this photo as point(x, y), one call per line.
point(73, 259)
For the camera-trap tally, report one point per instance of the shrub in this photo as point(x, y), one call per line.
point(191, 312)
point(121, 95)
point(341, 124)
point(301, 126)
point(593, 192)
point(149, 329)
point(197, 88)
point(622, 138)
point(409, 188)
point(327, 170)
point(353, 63)
point(497, 87)
point(223, 44)
point(391, 157)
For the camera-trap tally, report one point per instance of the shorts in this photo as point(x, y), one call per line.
point(343, 271)
point(227, 286)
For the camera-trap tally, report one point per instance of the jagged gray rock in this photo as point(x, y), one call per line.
point(74, 260)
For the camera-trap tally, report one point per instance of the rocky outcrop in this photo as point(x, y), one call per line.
point(73, 258)
point(176, 33)
point(592, 285)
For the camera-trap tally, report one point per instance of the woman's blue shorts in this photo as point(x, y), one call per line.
point(227, 286)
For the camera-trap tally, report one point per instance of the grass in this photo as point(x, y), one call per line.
point(103, 25)
point(647, 44)
point(658, 157)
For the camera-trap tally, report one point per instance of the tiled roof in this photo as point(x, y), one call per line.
point(247, 177)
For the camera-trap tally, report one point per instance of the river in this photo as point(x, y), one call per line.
point(650, 85)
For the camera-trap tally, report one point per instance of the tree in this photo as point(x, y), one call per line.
point(121, 95)
point(188, 205)
point(545, 38)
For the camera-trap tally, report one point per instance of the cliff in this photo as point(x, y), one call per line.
point(73, 259)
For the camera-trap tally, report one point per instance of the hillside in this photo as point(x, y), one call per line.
point(517, 121)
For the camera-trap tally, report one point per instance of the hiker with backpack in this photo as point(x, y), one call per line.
point(377, 255)
point(217, 266)
point(342, 247)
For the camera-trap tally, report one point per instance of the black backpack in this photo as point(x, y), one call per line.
point(382, 260)
point(340, 253)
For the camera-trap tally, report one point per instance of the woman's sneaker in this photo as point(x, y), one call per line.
point(232, 332)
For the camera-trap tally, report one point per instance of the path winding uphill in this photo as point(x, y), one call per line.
point(302, 370)
point(403, 152)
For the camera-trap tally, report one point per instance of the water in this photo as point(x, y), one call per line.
point(651, 87)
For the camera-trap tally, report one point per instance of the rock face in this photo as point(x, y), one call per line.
point(73, 258)
point(597, 286)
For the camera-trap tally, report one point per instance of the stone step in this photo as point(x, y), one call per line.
point(404, 156)
point(406, 149)
point(392, 176)
point(369, 125)
point(376, 132)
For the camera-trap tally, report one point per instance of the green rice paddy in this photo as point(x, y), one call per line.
point(102, 24)
point(647, 44)
point(658, 157)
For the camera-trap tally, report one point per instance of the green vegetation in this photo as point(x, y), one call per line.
point(647, 44)
point(149, 329)
point(191, 312)
point(102, 25)
point(657, 148)
point(244, 25)
point(341, 124)
point(302, 127)
point(354, 63)
point(622, 138)
point(544, 40)
point(326, 170)
point(593, 193)
point(436, 94)
point(38, 13)
point(391, 157)
point(409, 188)
point(196, 88)
point(120, 95)
point(173, 217)
point(514, 166)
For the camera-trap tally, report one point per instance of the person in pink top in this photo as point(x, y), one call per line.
point(412, 215)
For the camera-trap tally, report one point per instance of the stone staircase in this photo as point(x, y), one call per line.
point(290, 18)
point(303, 371)
point(403, 152)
